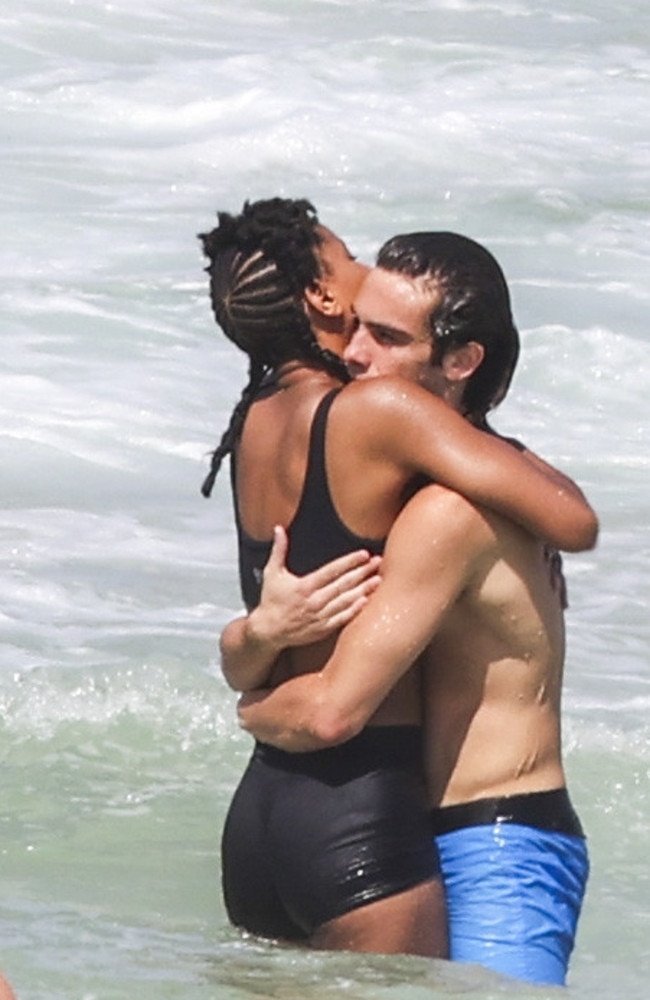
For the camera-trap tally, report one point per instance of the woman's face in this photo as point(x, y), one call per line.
point(342, 275)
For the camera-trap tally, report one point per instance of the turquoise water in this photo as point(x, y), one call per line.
point(521, 124)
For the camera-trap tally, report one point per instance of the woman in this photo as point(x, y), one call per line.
point(332, 847)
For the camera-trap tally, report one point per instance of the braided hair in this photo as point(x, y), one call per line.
point(260, 263)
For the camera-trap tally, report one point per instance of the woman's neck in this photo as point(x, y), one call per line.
point(297, 372)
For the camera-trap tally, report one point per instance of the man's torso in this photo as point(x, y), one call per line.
point(493, 676)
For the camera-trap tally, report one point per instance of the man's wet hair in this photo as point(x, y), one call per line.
point(260, 263)
point(475, 305)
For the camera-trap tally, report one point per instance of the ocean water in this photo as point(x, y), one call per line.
point(124, 128)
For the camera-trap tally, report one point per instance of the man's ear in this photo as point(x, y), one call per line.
point(319, 297)
point(461, 362)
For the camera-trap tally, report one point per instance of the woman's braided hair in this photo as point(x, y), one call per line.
point(260, 263)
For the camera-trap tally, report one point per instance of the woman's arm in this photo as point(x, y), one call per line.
point(405, 424)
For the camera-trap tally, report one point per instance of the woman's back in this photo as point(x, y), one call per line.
point(272, 462)
point(271, 457)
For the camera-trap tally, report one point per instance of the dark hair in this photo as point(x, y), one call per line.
point(261, 262)
point(475, 305)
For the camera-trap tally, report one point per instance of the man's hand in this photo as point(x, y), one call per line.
point(294, 611)
point(298, 610)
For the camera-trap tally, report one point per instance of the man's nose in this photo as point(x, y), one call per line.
point(356, 355)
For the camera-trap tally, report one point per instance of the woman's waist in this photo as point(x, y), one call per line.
point(375, 747)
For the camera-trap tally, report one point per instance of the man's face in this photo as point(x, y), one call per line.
point(392, 336)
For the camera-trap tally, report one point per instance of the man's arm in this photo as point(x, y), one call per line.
point(409, 428)
point(432, 551)
point(294, 611)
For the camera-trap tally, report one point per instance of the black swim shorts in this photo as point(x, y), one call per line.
point(311, 836)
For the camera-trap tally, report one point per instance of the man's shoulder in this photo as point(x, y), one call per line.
point(441, 511)
point(433, 498)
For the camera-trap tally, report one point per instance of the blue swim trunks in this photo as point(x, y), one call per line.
point(514, 891)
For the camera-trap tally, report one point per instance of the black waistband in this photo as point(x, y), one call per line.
point(375, 747)
point(545, 810)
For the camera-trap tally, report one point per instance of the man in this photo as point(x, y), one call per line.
point(475, 597)
point(328, 848)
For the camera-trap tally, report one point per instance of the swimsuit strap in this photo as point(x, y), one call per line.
point(315, 486)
